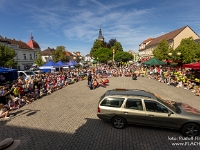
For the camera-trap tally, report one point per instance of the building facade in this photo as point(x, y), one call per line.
point(87, 58)
point(26, 53)
point(47, 54)
point(134, 54)
point(174, 38)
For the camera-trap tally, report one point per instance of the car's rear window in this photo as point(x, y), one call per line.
point(112, 102)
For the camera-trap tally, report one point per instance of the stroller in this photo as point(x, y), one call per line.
point(134, 76)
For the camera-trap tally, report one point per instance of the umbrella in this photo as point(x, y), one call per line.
point(154, 62)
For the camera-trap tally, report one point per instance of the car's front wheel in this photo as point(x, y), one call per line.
point(190, 130)
point(119, 122)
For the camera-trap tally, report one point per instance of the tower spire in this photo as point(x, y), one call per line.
point(100, 37)
point(31, 37)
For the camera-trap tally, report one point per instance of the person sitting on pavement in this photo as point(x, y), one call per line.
point(190, 85)
point(180, 84)
point(95, 84)
point(134, 76)
point(102, 83)
point(4, 111)
point(196, 90)
point(25, 100)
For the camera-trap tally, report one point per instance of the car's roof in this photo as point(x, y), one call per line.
point(130, 92)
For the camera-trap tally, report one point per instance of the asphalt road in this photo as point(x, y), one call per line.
point(67, 120)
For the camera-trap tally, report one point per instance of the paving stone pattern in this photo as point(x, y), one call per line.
point(67, 120)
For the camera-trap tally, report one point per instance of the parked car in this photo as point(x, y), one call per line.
point(26, 74)
point(37, 72)
point(123, 106)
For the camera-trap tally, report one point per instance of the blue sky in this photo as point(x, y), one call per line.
point(75, 24)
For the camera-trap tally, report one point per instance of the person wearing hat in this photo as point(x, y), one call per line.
point(9, 144)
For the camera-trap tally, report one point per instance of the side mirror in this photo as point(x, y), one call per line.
point(169, 113)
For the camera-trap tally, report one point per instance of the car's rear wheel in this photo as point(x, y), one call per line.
point(190, 129)
point(119, 122)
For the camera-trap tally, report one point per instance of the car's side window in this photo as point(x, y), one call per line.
point(134, 104)
point(112, 102)
point(21, 74)
point(155, 107)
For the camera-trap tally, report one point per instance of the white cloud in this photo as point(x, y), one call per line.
point(80, 21)
point(97, 2)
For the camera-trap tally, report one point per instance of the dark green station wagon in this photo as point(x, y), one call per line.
point(127, 106)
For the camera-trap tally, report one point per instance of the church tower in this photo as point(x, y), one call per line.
point(100, 37)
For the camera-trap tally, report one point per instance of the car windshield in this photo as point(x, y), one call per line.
point(168, 103)
point(30, 73)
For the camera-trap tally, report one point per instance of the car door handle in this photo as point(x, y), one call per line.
point(151, 115)
point(125, 112)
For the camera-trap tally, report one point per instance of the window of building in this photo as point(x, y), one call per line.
point(31, 56)
point(24, 56)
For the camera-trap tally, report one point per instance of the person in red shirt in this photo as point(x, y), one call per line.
point(21, 91)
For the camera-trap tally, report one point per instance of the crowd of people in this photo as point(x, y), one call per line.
point(187, 79)
point(25, 91)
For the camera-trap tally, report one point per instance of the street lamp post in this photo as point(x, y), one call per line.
point(97, 61)
point(174, 54)
point(113, 56)
point(74, 58)
point(80, 58)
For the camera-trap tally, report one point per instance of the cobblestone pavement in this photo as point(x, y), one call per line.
point(67, 120)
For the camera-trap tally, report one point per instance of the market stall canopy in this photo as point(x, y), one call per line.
point(154, 62)
point(62, 64)
point(72, 63)
point(9, 74)
point(94, 61)
point(50, 64)
point(195, 65)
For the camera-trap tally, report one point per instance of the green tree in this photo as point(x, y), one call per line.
point(123, 57)
point(162, 50)
point(60, 54)
point(197, 51)
point(7, 57)
point(189, 49)
point(39, 60)
point(117, 47)
point(103, 54)
point(97, 44)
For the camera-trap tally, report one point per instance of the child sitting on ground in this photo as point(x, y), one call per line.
point(189, 85)
point(197, 91)
point(13, 104)
point(25, 100)
point(95, 84)
point(180, 84)
point(4, 111)
point(37, 92)
point(102, 83)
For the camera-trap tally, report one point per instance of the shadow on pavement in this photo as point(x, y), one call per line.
point(95, 135)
